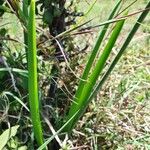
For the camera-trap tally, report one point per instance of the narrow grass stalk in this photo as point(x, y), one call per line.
point(82, 101)
point(15, 70)
point(32, 71)
point(25, 12)
point(120, 53)
point(94, 53)
point(25, 9)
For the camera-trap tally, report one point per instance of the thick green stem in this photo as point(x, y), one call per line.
point(32, 81)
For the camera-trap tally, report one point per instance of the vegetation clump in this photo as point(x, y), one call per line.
point(69, 80)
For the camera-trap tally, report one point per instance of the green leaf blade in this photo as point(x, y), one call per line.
point(7, 134)
point(94, 52)
point(82, 101)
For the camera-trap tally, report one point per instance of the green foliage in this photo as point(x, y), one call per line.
point(7, 135)
point(20, 72)
point(81, 102)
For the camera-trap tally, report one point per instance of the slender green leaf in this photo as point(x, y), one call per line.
point(120, 53)
point(6, 135)
point(15, 70)
point(25, 13)
point(82, 101)
point(94, 53)
point(17, 99)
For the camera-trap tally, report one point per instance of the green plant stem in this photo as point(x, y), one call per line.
point(32, 71)
point(94, 53)
point(82, 101)
point(120, 53)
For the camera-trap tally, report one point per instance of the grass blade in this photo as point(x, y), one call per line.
point(15, 70)
point(17, 99)
point(123, 48)
point(25, 12)
point(82, 101)
point(32, 71)
point(94, 53)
